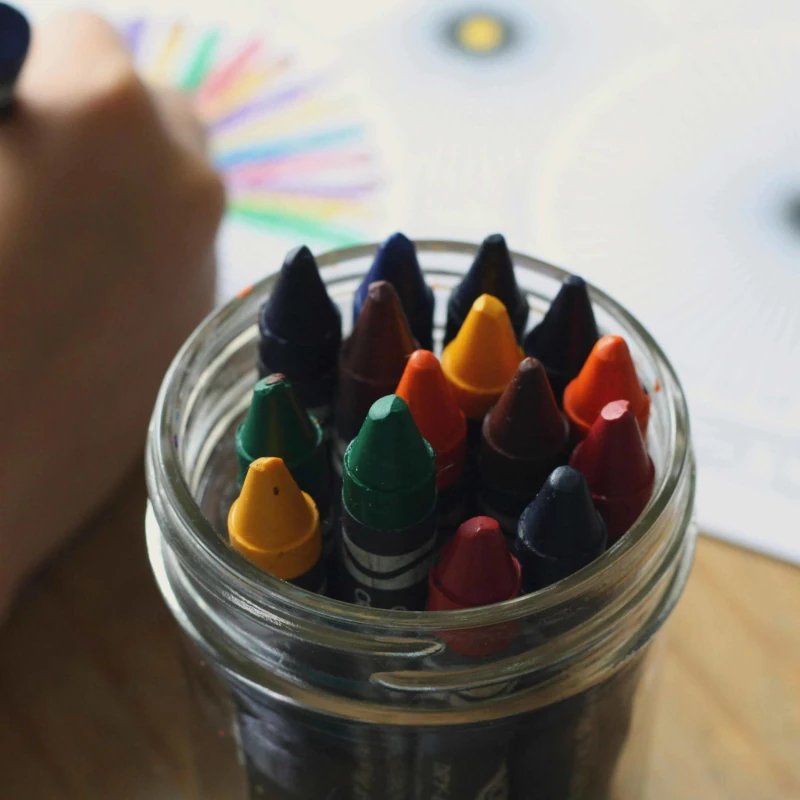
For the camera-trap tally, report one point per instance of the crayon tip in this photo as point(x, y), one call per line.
point(524, 436)
point(389, 474)
point(608, 374)
point(300, 331)
point(436, 413)
point(483, 357)
point(526, 418)
point(373, 357)
point(273, 523)
point(15, 39)
point(476, 568)
point(563, 340)
point(299, 308)
point(276, 425)
point(560, 531)
point(381, 341)
point(614, 460)
point(492, 272)
point(396, 262)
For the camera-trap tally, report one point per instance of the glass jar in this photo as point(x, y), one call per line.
point(300, 697)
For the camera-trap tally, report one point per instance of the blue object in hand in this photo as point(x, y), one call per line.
point(15, 38)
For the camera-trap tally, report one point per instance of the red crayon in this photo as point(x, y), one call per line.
point(620, 473)
point(476, 569)
point(608, 374)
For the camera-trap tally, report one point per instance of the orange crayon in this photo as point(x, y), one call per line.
point(276, 525)
point(441, 422)
point(483, 357)
point(438, 417)
point(608, 374)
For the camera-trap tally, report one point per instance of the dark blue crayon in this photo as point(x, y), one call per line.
point(560, 531)
point(570, 748)
point(563, 340)
point(300, 331)
point(15, 39)
point(492, 272)
point(396, 262)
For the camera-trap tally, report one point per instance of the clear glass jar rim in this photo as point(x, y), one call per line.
point(201, 549)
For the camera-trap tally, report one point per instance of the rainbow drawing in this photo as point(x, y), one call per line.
point(287, 136)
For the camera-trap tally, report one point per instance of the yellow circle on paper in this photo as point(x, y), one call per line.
point(480, 33)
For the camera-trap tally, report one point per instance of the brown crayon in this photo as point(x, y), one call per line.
point(372, 360)
point(524, 438)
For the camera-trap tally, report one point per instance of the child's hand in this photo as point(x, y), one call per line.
point(108, 214)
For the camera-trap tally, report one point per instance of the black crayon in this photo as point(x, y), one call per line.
point(300, 331)
point(492, 272)
point(563, 340)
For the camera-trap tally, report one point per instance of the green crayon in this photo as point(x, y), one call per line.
point(388, 510)
point(277, 425)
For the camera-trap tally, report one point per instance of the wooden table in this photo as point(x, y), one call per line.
point(92, 705)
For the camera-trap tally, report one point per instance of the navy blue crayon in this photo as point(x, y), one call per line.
point(396, 262)
point(15, 39)
point(560, 531)
point(492, 272)
point(300, 331)
point(563, 340)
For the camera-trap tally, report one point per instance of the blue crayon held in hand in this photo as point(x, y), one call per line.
point(15, 39)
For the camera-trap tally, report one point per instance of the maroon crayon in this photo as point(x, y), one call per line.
point(620, 473)
point(524, 438)
point(372, 359)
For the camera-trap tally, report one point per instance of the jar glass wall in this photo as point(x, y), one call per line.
point(303, 697)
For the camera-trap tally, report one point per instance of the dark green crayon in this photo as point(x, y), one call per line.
point(277, 425)
point(388, 510)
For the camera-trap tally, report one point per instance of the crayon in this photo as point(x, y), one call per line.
point(563, 340)
point(614, 460)
point(276, 425)
point(570, 749)
point(441, 423)
point(480, 361)
point(470, 762)
point(300, 330)
point(525, 437)
point(388, 510)
point(15, 39)
point(492, 272)
point(476, 568)
point(290, 756)
point(607, 375)
point(372, 360)
point(276, 525)
point(396, 262)
point(560, 532)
